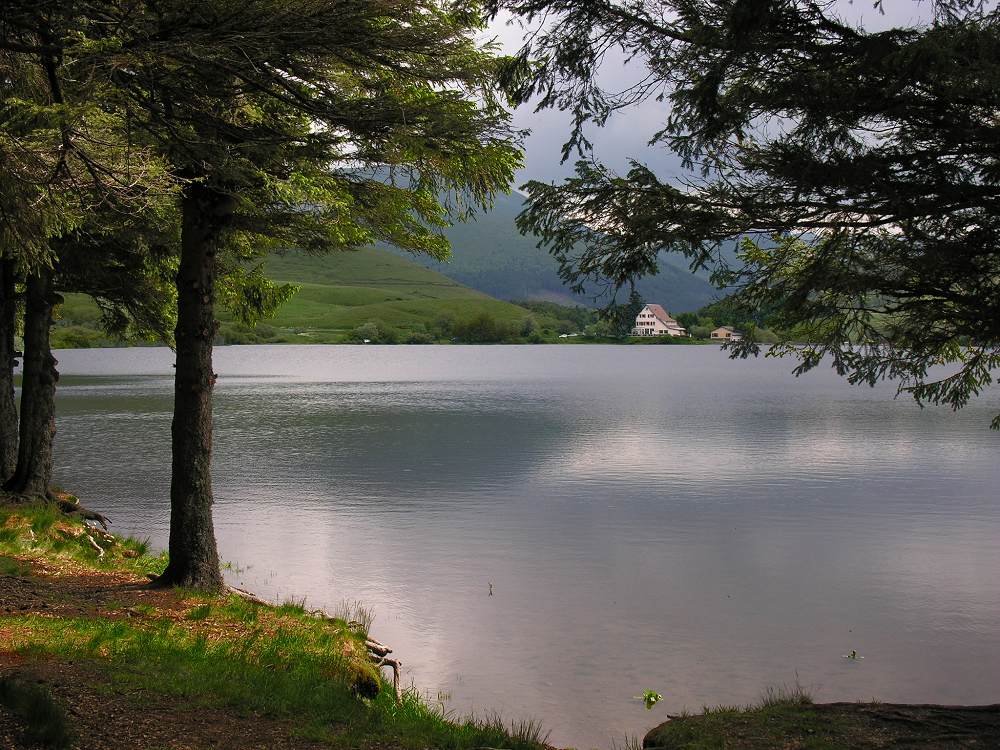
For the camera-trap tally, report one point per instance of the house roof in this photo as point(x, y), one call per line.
point(726, 328)
point(662, 314)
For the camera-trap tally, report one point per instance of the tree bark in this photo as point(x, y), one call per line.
point(33, 473)
point(194, 559)
point(8, 356)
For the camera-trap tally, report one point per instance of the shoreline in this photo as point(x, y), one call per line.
point(82, 632)
point(576, 341)
point(84, 638)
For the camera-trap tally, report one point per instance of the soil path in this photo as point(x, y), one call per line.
point(106, 716)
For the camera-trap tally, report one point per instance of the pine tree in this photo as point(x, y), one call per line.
point(322, 125)
point(861, 169)
point(62, 161)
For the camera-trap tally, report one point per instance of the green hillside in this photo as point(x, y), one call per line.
point(491, 255)
point(388, 296)
point(337, 294)
point(340, 292)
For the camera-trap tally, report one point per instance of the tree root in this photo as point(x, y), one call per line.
point(242, 594)
point(72, 507)
point(95, 545)
point(66, 503)
point(396, 669)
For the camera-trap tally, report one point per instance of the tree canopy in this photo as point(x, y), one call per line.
point(861, 170)
point(190, 138)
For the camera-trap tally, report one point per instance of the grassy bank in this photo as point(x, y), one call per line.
point(788, 719)
point(79, 628)
point(92, 657)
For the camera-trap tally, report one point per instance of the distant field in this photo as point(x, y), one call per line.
point(337, 294)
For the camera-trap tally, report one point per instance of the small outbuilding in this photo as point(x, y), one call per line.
point(725, 333)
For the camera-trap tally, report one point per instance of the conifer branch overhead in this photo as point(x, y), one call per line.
point(860, 169)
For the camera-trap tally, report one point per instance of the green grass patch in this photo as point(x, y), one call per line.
point(784, 717)
point(230, 652)
point(352, 611)
point(200, 612)
point(43, 531)
point(337, 293)
point(277, 674)
point(750, 729)
point(292, 607)
point(11, 566)
point(282, 667)
point(238, 609)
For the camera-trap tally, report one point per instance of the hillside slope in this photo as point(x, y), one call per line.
point(337, 293)
point(491, 255)
point(342, 291)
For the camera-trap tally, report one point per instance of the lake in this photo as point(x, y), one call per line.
point(649, 517)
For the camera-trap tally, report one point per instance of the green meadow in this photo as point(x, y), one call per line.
point(336, 295)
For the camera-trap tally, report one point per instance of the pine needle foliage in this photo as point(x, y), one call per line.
point(859, 169)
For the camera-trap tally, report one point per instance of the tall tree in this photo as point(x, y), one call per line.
point(33, 472)
point(867, 161)
point(318, 123)
point(8, 360)
point(64, 158)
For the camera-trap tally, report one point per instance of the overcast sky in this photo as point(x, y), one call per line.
point(627, 134)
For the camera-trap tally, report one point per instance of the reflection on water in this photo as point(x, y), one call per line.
point(649, 517)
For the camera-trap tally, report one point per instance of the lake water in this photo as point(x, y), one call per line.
point(650, 517)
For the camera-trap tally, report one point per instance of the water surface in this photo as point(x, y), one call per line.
point(650, 518)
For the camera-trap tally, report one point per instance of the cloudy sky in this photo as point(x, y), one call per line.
point(626, 135)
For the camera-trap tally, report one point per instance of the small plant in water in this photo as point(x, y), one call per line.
point(649, 698)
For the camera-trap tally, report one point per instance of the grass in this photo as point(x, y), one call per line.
point(225, 652)
point(628, 742)
point(354, 611)
point(786, 717)
point(785, 696)
point(339, 293)
point(43, 532)
point(284, 665)
point(336, 294)
point(44, 719)
point(199, 612)
point(11, 566)
point(783, 712)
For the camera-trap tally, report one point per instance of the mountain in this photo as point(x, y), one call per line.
point(491, 255)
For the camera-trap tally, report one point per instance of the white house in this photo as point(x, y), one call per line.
point(725, 333)
point(653, 320)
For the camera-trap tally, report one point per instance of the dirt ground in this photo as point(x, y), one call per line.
point(106, 717)
point(116, 717)
point(836, 726)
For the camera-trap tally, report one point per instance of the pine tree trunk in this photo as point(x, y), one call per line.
point(33, 473)
point(8, 406)
point(194, 559)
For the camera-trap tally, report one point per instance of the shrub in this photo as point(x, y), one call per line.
point(419, 337)
point(374, 332)
point(483, 329)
